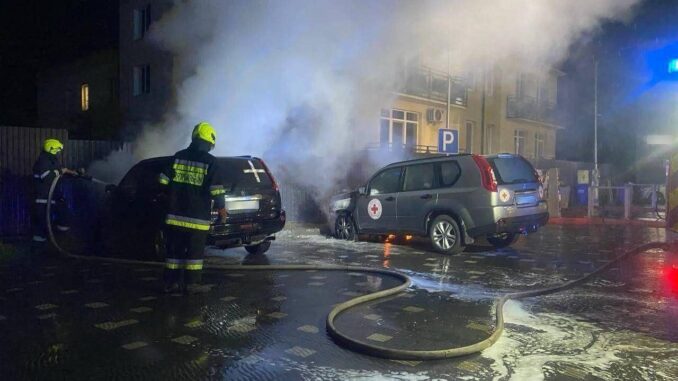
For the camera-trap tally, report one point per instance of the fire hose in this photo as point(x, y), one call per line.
point(359, 345)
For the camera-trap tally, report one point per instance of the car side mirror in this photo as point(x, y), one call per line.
point(362, 191)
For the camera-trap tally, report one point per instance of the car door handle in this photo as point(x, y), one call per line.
point(389, 198)
point(426, 196)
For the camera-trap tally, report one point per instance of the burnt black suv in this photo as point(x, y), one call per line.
point(451, 199)
point(135, 209)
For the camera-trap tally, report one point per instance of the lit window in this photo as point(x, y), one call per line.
point(84, 97)
point(142, 21)
point(141, 80)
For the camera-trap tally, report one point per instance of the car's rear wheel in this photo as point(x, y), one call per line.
point(259, 248)
point(500, 240)
point(445, 235)
point(344, 228)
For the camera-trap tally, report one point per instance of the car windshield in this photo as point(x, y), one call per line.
point(512, 170)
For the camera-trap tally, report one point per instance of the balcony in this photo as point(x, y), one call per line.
point(532, 109)
point(430, 84)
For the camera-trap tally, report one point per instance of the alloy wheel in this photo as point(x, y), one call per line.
point(443, 235)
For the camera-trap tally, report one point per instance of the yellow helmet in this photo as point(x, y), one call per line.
point(53, 146)
point(206, 132)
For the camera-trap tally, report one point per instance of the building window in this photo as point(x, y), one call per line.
point(468, 129)
point(398, 127)
point(142, 80)
point(84, 97)
point(142, 21)
point(519, 137)
point(539, 142)
point(489, 139)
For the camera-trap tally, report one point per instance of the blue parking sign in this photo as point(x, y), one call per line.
point(448, 141)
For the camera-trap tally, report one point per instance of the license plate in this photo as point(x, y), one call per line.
point(525, 200)
point(242, 205)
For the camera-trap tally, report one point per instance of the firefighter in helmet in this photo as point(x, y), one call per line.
point(45, 169)
point(192, 185)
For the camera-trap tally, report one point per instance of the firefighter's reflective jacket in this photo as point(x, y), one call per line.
point(192, 186)
point(44, 170)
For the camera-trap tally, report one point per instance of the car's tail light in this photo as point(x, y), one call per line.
point(275, 184)
point(486, 173)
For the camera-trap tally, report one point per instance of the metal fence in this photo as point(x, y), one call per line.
point(630, 201)
point(19, 148)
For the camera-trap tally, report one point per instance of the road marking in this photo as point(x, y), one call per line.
point(228, 298)
point(362, 284)
point(408, 363)
point(242, 328)
point(479, 327)
point(279, 298)
point(47, 306)
point(470, 261)
point(315, 284)
point(372, 317)
point(476, 272)
point(308, 329)
point(379, 337)
point(96, 305)
point(47, 316)
point(147, 298)
point(413, 309)
point(111, 325)
point(277, 315)
point(354, 274)
point(185, 339)
point(135, 345)
point(318, 277)
point(141, 310)
point(470, 366)
point(194, 324)
point(300, 351)
point(351, 293)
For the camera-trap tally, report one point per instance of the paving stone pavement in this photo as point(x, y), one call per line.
point(67, 319)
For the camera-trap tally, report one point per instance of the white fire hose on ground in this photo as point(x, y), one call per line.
point(359, 345)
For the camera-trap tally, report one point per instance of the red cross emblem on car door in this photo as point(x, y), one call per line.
point(374, 209)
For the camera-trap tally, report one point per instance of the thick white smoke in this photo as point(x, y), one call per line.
point(302, 82)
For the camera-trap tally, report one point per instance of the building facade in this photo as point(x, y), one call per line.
point(498, 110)
point(81, 96)
point(146, 72)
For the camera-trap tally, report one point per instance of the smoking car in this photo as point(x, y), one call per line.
point(135, 209)
point(452, 199)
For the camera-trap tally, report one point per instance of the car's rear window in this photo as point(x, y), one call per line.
point(512, 170)
point(239, 174)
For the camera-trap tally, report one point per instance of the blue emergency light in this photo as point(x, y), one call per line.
point(673, 66)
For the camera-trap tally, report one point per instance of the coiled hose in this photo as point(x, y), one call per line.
point(362, 346)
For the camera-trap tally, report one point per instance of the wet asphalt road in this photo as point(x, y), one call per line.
point(67, 319)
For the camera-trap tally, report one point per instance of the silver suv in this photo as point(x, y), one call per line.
point(452, 199)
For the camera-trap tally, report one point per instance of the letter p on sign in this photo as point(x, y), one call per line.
point(448, 141)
